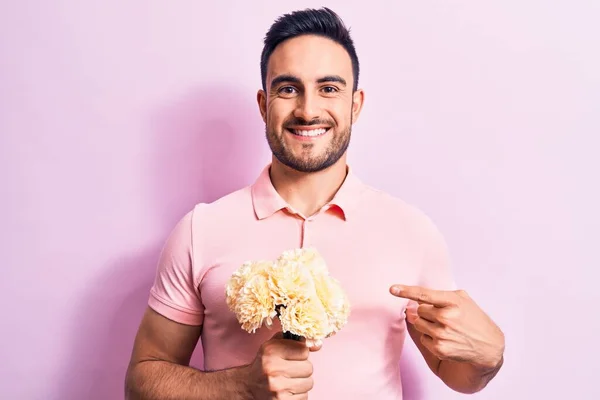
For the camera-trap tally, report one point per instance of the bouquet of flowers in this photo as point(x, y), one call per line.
point(296, 288)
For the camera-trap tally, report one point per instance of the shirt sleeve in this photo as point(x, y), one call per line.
point(436, 268)
point(174, 293)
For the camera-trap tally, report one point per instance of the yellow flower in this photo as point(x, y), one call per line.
point(296, 287)
point(328, 289)
point(308, 257)
point(254, 304)
point(307, 319)
point(334, 300)
point(240, 277)
point(290, 282)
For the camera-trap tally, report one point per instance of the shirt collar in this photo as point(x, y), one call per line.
point(267, 201)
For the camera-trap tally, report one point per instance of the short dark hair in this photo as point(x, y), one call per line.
point(321, 22)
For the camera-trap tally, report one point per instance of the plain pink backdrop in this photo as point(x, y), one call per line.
point(116, 117)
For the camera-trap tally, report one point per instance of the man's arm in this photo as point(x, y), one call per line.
point(159, 367)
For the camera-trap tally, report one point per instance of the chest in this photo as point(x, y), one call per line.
point(366, 262)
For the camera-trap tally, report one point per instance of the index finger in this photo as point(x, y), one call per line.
point(422, 295)
point(293, 350)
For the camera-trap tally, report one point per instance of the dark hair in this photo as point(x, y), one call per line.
point(321, 22)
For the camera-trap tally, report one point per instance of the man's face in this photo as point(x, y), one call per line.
point(309, 105)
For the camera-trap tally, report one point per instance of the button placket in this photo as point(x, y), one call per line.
point(306, 233)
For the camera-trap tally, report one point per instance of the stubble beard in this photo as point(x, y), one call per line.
point(336, 149)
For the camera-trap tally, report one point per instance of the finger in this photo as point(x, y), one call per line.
point(293, 351)
point(439, 348)
point(428, 312)
point(298, 369)
point(299, 396)
point(314, 345)
point(429, 343)
point(411, 315)
point(286, 349)
point(301, 386)
point(422, 295)
point(428, 328)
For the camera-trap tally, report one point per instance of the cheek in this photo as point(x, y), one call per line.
point(275, 114)
point(340, 112)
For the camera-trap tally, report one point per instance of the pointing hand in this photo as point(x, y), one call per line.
point(453, 327)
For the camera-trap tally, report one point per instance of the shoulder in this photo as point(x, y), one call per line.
point(208, 226)
point(229, 207)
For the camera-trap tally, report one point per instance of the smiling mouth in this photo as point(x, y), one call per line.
point(309, 132)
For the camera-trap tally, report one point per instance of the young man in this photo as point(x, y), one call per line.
point(389, 257)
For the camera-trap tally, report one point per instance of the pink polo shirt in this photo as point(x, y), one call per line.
point(369, 240)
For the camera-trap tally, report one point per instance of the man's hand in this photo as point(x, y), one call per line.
point(281, 370)
point(453, 327)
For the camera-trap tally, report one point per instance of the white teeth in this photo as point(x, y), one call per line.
point(313, 132)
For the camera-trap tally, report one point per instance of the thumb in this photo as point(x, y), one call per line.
point(314, 345)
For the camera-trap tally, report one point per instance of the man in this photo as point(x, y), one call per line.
point(389, 257)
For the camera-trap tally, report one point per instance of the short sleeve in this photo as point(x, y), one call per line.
point(174, 293)
point(436, 267)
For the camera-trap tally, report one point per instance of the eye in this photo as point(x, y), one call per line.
point(287, 90)
point(330, 89)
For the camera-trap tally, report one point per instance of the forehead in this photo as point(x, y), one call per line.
point(309, 57)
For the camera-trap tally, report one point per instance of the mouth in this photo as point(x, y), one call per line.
point(308, 132)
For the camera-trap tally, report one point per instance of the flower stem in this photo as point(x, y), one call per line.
point(290, 335)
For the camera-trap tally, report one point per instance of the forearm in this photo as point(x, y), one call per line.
point(465, 377)
point(161, 380)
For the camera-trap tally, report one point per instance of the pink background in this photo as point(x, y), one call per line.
point(117, 116)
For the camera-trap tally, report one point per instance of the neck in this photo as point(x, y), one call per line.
point(307, 192)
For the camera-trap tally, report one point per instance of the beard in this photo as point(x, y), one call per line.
point(310, 163)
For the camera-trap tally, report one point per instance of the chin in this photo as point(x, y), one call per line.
point(308, 165)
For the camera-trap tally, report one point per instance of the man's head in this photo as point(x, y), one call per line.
point(310, 96)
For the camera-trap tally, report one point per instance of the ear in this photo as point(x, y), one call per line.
point(261, 98)
point(358, 99)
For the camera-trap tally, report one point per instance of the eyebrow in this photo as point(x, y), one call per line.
point(284, 78)
point(332, 78)
point(294, 79)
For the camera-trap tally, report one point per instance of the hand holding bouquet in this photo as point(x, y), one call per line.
point(296, 288)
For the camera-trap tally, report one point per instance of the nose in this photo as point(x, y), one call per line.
point(308, 107)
